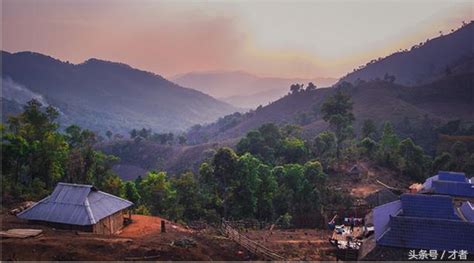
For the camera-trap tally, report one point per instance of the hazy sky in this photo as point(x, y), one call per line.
point(271, 38)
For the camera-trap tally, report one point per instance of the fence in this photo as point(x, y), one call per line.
point(247, 243)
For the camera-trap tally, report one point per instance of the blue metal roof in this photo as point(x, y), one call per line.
point(425, 222)
point(453, 188)
point(467, 209)
point(429, 233)
point(75, 204)
point(450, 183)
point(428, 206)
point(452, 176)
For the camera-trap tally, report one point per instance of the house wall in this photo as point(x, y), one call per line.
point(109, 225)
point(382, 215)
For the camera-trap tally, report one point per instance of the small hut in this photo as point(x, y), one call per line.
point(80, 207)
point(355, 172)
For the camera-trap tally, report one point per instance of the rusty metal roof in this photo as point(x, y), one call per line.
point(75, 204)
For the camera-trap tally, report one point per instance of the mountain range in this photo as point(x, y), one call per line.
point(102, 95)
point(416, 111)
point(424, 62)
point(243, 89)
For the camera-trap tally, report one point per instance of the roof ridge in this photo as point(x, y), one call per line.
point(114, 196)
point(76, 185)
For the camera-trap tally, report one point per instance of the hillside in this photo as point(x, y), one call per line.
point(102, 95)
point(425, 62)
point(243, 89)
point(137, 158)
point(415, 112)
point(446, 99)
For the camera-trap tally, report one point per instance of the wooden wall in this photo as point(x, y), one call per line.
point(110, 224)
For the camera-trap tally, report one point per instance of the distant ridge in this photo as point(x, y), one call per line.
point(243, 89)
point(424, 62)
point(103, 95)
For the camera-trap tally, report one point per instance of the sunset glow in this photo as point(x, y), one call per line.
point(269, 38)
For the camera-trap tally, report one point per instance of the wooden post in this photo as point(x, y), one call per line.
point(163, 227)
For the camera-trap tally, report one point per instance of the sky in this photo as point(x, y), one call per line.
point(303, 39)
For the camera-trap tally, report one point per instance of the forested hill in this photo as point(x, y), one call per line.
point(408, 108)
point(101, 95)
point(424, 62)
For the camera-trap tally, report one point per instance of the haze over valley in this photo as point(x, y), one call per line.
point(237, 130)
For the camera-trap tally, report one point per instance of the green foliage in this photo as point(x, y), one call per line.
point(324, 146)
point(293, 150)
point(188, 200)
point(35, 155)
point(112, 184)
point(142, 210)
point(244, 187)
point(369, 130)
point(388, 147)
point(368, 147)
point(157, 192)
point(273, 145)
point(337, 111)
point(131, 192)
point(414, 163)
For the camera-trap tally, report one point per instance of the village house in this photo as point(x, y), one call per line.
point(440, 216)
point(80, 207)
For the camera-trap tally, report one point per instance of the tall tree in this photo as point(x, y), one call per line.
point(337, 111)
point(369, 130)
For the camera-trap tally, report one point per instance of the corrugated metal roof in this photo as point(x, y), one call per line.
point(449, 183)
point(429, 206)
point(426, 222)
point(467, 209)
point(429, 233)
point(74, 194)
point(452, 176)
point(75, 204)
point(453, 188)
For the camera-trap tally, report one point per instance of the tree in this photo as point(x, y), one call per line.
point(311, 87)
point(369, 147)
point(444, 161)
point(369, 130)
point(324, 146)
point(34, 148)
point(337, 110)
point(293, 150)
point(313, 172)
point(188, 197)
point(264, 143)
point(243, 203)
point(131, 193)
point(459, 153)
point(182, 140)
point(108, 134)
point(265, 193)
point(157, 192)
point(133, 134)
point(388, 150)
point(295, 88)
point(224, 168)
point(112, 184)
point(415, 165)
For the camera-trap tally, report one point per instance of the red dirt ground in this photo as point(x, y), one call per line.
point(141, 240)
point(298, 244)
